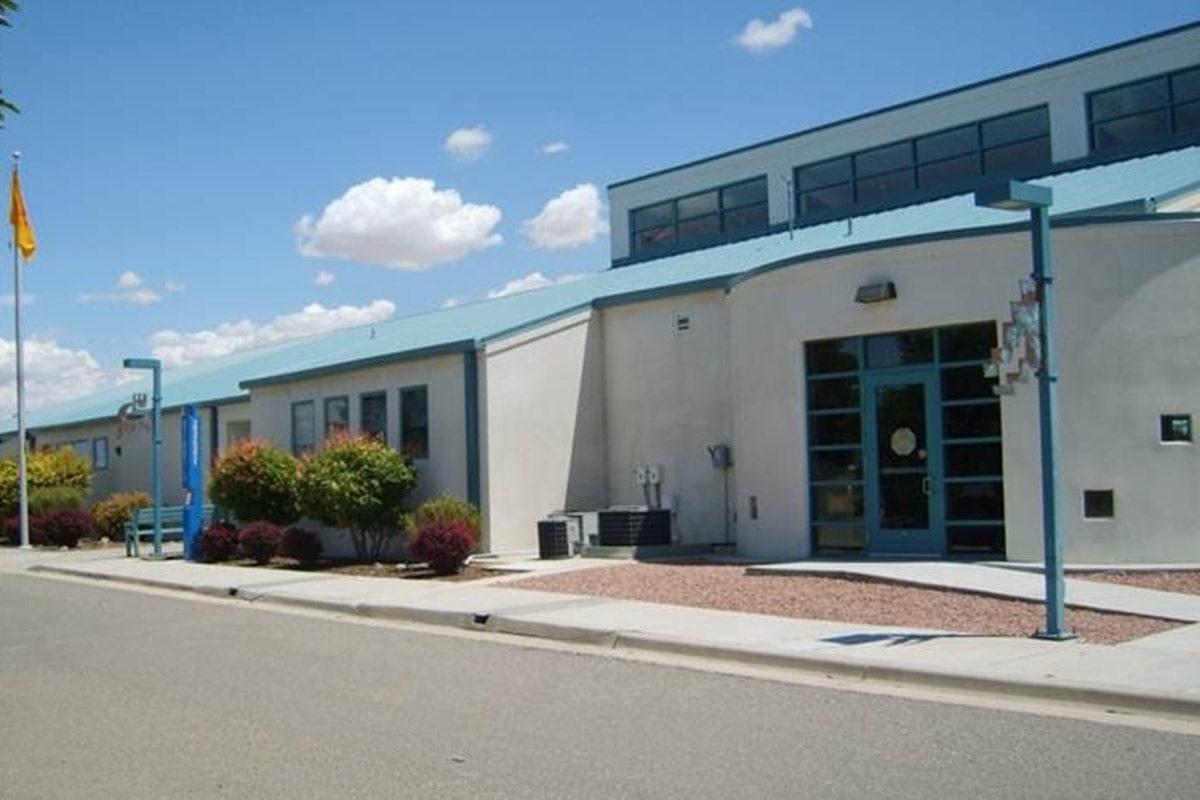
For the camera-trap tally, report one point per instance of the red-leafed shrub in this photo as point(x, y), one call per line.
point(62, 528)
point(218, 542)
point(302, 545)
point(260, 540)
point(444, 544)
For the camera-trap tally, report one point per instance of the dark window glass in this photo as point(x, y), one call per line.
point(654, 216)
point(966, 383)
point(881, 188)
point(1132, 130)
point(414, 422)
point(883, 159)
point(896, 349)
point(1185, 85)
point(975, 538)
point(834, 429)
point(964, 460)
point(100, 453)
point(699, 228)
point(1187, 117)
point(828, 199)
point(373, 415)
point(654, 238)
point(837, 465)
point(964, 342)
point(1129, 99)
point(744, 194)
point(982, 500)
point(1015, 158)
point(825, 173)
point(840, 537)
point(969, 422)
point(1176, 427)
point(948, 172)
point(1014, 127)
point(832, 355)
point(697, 205)
point(337, 415)
point(304, 427)
point(948, 143)
point(747, 218)
point(1098, 504)
point(833, 393)
point(838, 502)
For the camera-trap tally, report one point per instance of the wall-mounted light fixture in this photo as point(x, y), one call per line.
point(875, 292)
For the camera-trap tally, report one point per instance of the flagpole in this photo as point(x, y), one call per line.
point(22, 481)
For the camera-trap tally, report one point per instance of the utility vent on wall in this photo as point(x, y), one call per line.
point(683, 323)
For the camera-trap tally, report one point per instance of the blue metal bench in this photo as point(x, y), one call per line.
point(142, 526)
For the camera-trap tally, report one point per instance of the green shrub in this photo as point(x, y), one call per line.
point(45, 499)
point(256, 481)
point(443, 508)
point(112, 513)
point(359, 484)
point(46, 469)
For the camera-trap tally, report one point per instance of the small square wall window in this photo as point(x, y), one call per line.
point(1098, 504)
point(1176, 428)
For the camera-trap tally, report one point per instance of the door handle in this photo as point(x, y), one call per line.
point(925, 485)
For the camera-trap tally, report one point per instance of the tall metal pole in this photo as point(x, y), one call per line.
point(22, 475)
point(1043, 276)
point(156, 460)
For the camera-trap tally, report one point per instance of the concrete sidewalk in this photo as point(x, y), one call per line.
point(998, 582)
point(1155, 675)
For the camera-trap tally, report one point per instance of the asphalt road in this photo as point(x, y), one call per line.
point(109, 693)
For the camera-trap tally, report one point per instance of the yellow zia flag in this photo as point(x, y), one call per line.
point(22, 229)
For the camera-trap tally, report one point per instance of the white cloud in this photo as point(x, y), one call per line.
point(403, 223)
point(759, 36)
point(573, 218)
point(177, 349)
point(53, 374)
point(554, 148)
point(10, 299)
point(129, 288)
point(451, 302)
point(468, 144)
point(324, 278)
point(175, 286)
point(530, 282)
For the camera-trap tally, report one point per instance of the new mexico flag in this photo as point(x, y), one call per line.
point(23, 235)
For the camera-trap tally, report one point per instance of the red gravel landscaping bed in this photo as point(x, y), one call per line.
point(1182, 581)
point(728, 587)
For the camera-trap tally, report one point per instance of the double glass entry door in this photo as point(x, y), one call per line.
point(902, 464)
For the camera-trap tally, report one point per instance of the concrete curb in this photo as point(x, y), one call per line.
point(1078, 693)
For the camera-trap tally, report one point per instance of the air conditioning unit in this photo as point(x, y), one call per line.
point(560, 536)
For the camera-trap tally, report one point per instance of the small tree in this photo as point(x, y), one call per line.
point(256, 481)
point(359, 484)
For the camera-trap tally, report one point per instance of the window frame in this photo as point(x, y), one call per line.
point(362, 398)
point(325, 403)
point(1170, 106)
point(721, 212)
point(96, 462)
point(1167, 438)
point(915, 164)
point(299, 449)
point(403, 429)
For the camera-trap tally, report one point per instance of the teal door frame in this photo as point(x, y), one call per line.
point(930, 541)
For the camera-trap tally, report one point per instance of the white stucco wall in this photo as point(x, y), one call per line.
point(543, 437)
point(666, 401)
point(1127, 329)
point(1062, 88)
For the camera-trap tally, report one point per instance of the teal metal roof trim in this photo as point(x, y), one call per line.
point(907, 103)
point(452, 329)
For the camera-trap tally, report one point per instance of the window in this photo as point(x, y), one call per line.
point(1009, 145)
point(729, 212)
point(304, 427)
point(1176, 428)
point(236, 430)
point(414, 422)
point(100, 453)
point(373, 415)
point(82, 448)
point(337, 415)
point(1145, 111)
point(1098, 504)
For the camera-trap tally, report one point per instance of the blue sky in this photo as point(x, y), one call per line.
point(183, 142)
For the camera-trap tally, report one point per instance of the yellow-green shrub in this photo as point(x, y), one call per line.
point(112, 513)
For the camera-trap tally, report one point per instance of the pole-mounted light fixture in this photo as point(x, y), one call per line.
point(155, 366)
